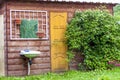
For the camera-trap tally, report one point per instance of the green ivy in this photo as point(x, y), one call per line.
point(95, 34)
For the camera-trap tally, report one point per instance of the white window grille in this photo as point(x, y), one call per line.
point(41, 16)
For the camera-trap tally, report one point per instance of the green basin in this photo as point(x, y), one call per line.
point(30, 54)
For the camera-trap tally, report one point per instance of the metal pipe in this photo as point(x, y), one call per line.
point(29, 63)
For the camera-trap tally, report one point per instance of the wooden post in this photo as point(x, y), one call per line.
point(2, 56)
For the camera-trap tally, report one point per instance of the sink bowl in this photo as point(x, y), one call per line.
point(29, 53)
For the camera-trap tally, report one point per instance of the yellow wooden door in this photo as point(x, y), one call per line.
point(58, 21)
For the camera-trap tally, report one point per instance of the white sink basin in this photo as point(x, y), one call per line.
point(29, 53)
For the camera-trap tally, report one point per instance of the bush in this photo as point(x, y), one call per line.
point(95, 34)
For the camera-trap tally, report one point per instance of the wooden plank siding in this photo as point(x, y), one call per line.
point(15, 64)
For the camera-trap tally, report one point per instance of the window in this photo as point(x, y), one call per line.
point(19, 17)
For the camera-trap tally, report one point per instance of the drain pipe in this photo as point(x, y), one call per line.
point(29, 64)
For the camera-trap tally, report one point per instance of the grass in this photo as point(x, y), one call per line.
point(73, 75)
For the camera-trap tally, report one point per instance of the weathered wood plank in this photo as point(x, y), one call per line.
point(15, 61)
point(17, 73)
point(23, 43)
point(39, 71)
point(41, 60)
point(16, 67)
point(40, 66)
point(13, 56)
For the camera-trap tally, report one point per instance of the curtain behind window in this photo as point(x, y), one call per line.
point(28, 28)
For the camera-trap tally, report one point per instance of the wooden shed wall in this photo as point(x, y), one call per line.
point(41, 64)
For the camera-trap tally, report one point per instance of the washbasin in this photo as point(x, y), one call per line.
point(29, 53)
